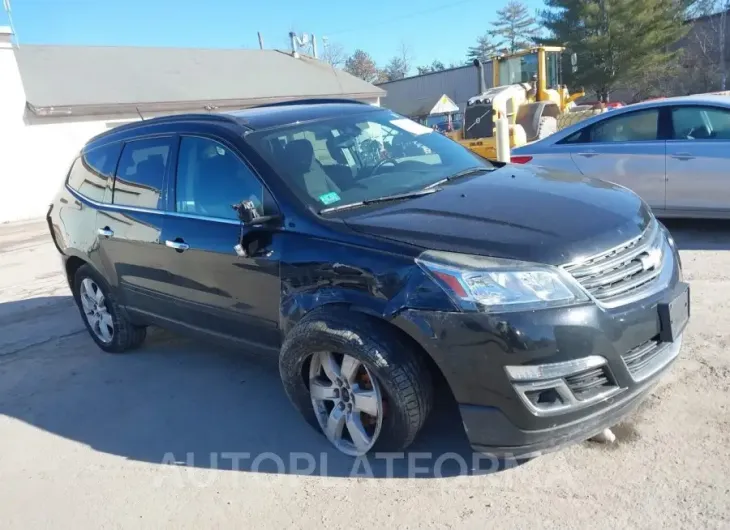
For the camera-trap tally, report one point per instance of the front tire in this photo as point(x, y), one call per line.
point(361, 384)
point(107, 324)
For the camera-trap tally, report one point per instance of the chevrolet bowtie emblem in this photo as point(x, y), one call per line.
point(651, 259)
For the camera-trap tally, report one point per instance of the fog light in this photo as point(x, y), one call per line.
point(544, 398)
point(537, 372)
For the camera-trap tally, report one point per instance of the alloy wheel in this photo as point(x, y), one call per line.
point(95, 311)
point(347, 401)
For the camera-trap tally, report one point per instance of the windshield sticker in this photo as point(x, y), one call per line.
point(329, 198)
point(411, 126)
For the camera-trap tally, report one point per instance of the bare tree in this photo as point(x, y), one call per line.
point(706, 46)
point(398, 67)
point(405, 54)
point(333, 53)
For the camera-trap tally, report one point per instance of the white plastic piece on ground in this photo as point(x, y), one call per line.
point(502, 139)
point(604, 437)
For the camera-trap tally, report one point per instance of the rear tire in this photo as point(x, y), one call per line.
point(403, 380)
point(547, 126)
point(106, 322)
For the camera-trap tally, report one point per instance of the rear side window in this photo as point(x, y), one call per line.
point(92, 170)
point(141, 172)
point(639, 126)
point(575, 138)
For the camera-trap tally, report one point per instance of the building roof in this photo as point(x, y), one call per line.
point(91, 79)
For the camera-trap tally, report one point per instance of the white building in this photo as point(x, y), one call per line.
point(54, 98)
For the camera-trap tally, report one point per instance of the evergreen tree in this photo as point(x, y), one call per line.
point(616, 41)
point(484, 50)
point(515, 28)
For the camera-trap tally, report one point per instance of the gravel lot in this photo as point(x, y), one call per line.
point(87, 439)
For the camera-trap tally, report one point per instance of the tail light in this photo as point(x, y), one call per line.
point(520, 159)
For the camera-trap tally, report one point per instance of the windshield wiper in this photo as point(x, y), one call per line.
point(459, 174)
point(385, 198)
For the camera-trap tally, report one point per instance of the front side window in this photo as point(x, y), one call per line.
point(360, 156)
point(700, 123)
point(211, 179)
point(91, 171)
point(141, 172)
point(640, 126)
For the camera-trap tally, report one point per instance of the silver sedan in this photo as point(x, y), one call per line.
point(674, 153)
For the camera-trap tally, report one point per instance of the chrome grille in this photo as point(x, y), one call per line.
point(623, 269)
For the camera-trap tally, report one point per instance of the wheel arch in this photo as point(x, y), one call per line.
point(399, 325)
point(73, 264)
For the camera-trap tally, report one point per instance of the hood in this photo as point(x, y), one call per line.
point(525, 213)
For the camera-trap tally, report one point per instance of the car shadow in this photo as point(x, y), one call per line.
point(185, 403)
point(700, 234)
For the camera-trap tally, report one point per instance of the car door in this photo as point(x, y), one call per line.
point(91, 178)
point(129, 245)
point(626, 149)
point(221, 286)
point(698, 157)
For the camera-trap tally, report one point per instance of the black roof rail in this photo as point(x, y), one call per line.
point(201, 116)
point(309, 101)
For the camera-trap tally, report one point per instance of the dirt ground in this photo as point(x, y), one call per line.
point(184, 434)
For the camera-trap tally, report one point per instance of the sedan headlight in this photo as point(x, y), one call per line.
point(478, 283)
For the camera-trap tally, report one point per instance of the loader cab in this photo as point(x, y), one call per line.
point(524, 69)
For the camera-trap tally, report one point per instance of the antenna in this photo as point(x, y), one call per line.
point(140, 114)
point(305, 41)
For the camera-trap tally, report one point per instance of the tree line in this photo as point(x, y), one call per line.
point(646, 47)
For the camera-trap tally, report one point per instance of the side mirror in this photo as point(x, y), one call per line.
point(250, 216)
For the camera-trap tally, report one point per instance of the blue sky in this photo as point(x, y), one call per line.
point(433, 29)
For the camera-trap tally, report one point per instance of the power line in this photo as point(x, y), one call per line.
point(400, 17)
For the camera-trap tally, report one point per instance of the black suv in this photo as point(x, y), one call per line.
point(373, 257)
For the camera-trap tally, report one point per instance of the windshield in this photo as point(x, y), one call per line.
point(518, 69)
point(360, 157)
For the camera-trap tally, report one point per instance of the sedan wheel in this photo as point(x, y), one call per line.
point(95, 311)
point(347, 402)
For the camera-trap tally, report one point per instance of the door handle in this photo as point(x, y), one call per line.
point(683, 156)
point(179, 245)
point(589, 154)
point(106, 232)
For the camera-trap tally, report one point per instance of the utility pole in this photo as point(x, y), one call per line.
point(9, 11)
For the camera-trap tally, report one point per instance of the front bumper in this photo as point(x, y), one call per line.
point(474, 351)
point(490, 431)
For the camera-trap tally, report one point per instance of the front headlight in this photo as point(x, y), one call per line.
point(478, 283)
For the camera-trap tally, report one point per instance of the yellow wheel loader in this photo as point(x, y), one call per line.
point(526, 103)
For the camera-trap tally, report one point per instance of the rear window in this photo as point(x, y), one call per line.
point(141, 172)
point(91, 171)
